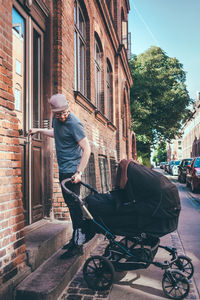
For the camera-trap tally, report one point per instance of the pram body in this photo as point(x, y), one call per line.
point(140, 224)
point(148, 203)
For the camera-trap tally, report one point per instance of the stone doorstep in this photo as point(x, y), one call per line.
point(49, 280)
point(43, 241)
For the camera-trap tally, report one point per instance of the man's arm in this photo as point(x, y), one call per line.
point(48, 132)
point(84, 144)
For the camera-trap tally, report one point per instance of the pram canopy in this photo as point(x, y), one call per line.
point(149, 202)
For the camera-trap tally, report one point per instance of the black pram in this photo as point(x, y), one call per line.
point(148, 203)
point(145, 209)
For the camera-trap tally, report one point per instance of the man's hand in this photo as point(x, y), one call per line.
point(76, 178)
point(47, 132)
point(33, 131)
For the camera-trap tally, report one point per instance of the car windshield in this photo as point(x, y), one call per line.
point(177, 162)
point(197, 163)
point(188, 162)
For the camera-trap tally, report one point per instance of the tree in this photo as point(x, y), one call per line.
point(160, 153)
point(159, 98)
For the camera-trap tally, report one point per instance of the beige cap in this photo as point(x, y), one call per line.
point(58, 103)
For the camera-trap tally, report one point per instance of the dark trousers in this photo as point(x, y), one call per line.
point(74, 207)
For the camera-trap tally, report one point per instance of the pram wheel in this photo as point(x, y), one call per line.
point(175, 285)
point(98, 272)
point(184, 264)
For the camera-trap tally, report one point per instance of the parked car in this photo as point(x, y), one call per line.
point(166, 167)
point(182, 169)
point(170, 166)
point(193, 174)
point(162, 164)
point(174, 167)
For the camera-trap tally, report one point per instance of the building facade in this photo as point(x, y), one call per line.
point(78, 48)
point(188, 145)
point(191, 132)
point(174, 150)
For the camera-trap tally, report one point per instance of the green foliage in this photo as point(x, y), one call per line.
point(160, 153)
point(159, 98)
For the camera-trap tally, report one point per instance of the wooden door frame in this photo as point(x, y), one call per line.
point(32, 19)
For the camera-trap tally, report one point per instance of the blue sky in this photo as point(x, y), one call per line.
point(174, 26)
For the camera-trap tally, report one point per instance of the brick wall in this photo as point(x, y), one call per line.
point(12, 247)
point(104, 139)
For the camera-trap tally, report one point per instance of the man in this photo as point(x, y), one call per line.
point(73, 152)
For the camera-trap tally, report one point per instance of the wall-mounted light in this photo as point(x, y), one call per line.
point(29, 2)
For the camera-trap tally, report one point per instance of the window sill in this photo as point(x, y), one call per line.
point(100, 117)
point(111, 126)
point(91, 108)
point(84, 102)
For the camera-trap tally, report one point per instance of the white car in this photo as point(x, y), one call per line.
point(175, 166)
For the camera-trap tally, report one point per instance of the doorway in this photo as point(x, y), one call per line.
point(28, 62)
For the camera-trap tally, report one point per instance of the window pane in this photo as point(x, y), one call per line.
point(81, 23)
point(36, 78)
point(89, 177)
point(75, 12)
point(109, 92)
point(18, 39)
point(124, 34)
point(18, 67)
point(82, 67)
point(80, 51)
point(75, 59)
point(113, 166)
point(97, 86)
point(17, 94)
point(104, 174)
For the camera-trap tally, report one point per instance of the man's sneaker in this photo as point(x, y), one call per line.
point(69, 245)
point(73, 251)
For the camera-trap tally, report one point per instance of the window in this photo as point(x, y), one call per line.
point(36, 79)
point(19, 42)
point(124, 121)
point(17, 94)
point(80, 49)
point(113, 167)
point(89, 177)
point(18, 67)
point(109, 91)
point(98, 74)
point(124, 30)
point(104, 173)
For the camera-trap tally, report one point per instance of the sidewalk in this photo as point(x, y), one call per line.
point(139, 284)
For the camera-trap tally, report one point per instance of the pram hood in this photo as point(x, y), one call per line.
point(153, 194)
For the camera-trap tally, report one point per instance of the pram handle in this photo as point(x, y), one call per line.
point(72, 193)
point(76, 197)
point(68, 191)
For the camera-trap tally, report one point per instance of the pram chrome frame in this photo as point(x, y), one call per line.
point(98, 271)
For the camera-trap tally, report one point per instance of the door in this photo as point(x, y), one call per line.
point(28, 92)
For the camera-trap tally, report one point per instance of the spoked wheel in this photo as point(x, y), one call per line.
point(98, 272)
point(175, 285)
point(184, 264)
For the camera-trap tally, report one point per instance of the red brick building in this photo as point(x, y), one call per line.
point(80, 49)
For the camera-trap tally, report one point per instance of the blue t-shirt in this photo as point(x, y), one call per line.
point(67, 135)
